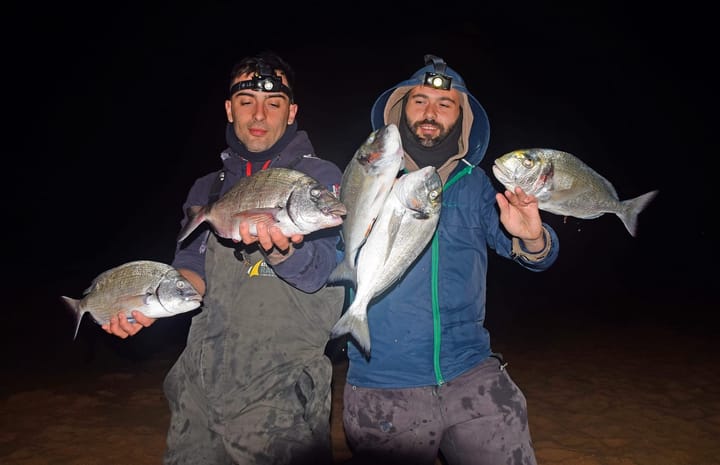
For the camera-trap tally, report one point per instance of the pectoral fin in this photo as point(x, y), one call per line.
point(256, 216)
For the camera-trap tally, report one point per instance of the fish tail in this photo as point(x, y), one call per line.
point(343, 272)
point(196, 215)
point(354, 321)
point(74, 306)
point(633, 207)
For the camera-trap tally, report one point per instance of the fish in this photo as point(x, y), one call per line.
point(402, 230)
point(366, 183)
point(154, 288)
point(283, 197)
point(565, 185)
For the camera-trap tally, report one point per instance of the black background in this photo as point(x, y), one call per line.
point(112, 111)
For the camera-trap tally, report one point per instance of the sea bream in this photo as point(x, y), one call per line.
point(366, 183)
point(404, 227)
point(156, 289)
point(564, 185)
point(283, 197)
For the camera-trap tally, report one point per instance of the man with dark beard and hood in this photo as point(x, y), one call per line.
point(252, 385)
point(432, 383)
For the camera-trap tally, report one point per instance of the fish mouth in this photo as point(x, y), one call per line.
point(502, 173)
point(336, 211)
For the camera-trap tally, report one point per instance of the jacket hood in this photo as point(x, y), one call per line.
point(475, 134)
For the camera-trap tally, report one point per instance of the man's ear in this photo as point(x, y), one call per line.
point(228, 110)
point(292, 113)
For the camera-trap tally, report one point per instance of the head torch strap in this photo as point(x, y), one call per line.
point(263, 83)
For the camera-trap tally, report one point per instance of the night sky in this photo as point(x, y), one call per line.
point(114, 110)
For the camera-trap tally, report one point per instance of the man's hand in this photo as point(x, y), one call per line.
point(520, 215)
point(122, 328)
point(269, 238)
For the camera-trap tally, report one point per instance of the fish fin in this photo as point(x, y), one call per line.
point(74, 306)
point(254, 216)
point(354, 322)
point(343, 272)
point(196, 215)
point(563, 192)
point(632, 208)
point(131, 302)
point(392, 231)
point(367, 231)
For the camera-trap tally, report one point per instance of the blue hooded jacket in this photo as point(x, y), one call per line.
point(414, 340)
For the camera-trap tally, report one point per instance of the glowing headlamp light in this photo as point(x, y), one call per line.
point(263, 82)
point(437, 79)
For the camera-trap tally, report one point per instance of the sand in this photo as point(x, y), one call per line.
point(633, 396)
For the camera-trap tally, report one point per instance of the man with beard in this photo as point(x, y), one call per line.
point(432, 383)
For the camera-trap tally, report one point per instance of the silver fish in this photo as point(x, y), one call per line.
point(154, 288)
point(564, 185)
point(283, 197)
point(404, 227)
point(365, 185)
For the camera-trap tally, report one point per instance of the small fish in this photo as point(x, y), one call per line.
point(365, 185)
point(283, 197)
point(155, 289)
point(564, 185)
point(403, 229)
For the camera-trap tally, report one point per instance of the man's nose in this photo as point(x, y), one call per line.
point(259, 113)
point(430, 112)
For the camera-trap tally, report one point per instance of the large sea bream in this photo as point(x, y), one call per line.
point(402, 230)
point(564, 185)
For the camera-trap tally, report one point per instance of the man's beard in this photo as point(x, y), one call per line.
point(429, 141)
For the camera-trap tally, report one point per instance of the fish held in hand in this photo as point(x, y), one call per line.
point(366, 183)
point(403, 229)
point(564, 185)
point(156, 289)
point(289, 199)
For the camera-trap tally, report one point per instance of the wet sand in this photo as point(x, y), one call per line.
point(642, 395)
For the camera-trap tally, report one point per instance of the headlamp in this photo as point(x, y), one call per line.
point(437, 79)
point(264, 80)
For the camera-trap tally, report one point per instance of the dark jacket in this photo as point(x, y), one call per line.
point(407, 350)
point(308, 267)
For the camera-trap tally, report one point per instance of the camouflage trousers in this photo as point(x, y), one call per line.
point(478, 418)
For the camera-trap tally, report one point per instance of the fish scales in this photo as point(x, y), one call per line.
point(404, 227)
point(283, 197)
point(366, 183)
point(154, 288)
point(565, 185)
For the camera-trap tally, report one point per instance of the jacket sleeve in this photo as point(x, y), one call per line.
point(507, 247)
point(310, 265)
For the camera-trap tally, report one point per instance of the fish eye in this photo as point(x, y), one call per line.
point(434, 195)
point(180, 284)
point(315, 192)
point(527, 163)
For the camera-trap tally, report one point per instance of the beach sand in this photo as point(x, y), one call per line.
point(641, 395)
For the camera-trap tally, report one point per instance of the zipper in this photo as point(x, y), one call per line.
point(434, 277)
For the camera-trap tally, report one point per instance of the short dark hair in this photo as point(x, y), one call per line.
point(252, 64)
